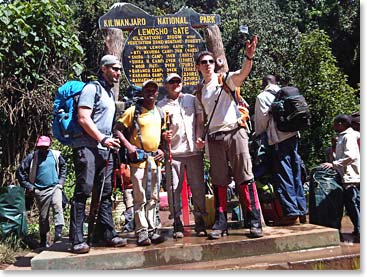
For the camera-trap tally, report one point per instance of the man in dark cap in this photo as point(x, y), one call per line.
point(144, 123)
point(93, 159)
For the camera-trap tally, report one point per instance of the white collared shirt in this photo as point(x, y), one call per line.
point(225, 117)
point(182, 111)
point(347, 156)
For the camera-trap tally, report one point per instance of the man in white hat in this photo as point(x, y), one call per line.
point(186, 120)
point(144, 125)
point(43, 172)
point(93, 159)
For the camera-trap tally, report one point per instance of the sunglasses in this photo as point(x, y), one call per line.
point(114, 68)
point(206, 61)
point(171, 82)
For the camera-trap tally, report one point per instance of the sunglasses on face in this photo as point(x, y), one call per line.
point(177, 81)
point(114, 68)
point(206, 61)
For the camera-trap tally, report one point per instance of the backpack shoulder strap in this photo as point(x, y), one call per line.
point(98, 90)
point(223, 82)
point(33, 167)
point(198, 94)
point(236, 94)
point(135, 124)
point(56, 155)
point(161, 114)
point(273, 92)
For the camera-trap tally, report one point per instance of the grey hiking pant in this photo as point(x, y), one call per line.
point(47, 198)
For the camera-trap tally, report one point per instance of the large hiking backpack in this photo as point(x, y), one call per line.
point(65, 126)
point(270, 203)
point(260, 155)
point(290, 110)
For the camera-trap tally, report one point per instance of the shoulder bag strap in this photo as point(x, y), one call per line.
point(206, 127)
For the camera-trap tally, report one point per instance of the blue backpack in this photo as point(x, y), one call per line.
point(65, 126)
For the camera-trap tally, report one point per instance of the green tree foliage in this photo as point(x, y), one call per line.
point(340, 19)
point(325, 87)
point(277, 44)
point(277, 37)
point(40, 49)
point(43, 44)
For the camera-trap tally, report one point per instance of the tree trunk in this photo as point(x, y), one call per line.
point(214, 43)
point(114, 41)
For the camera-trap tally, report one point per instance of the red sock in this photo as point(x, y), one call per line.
point(222, 197)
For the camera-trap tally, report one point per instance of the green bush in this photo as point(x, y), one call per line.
point(324, 86)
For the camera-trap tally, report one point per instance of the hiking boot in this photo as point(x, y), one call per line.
point(43, 242)
point(220, 226)
point(143, 239)
point(302, 219)
point(217, 234)
point(58, 235)
point(178, 229)
point(156, 238)
point(256, 232)
point(200, 226)
point(220, 221)
point(178, 235)
point(357, 239)
point(201, 233)
point(117, 242)
point(356, 236)
point(287, 221)
point(80, 248)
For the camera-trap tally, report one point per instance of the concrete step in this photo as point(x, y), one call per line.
point(327, 258)
point(191, 249)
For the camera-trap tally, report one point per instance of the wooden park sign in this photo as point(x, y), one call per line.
point(159, 45)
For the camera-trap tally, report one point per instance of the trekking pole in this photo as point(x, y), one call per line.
point(96, 203)
point(119, 169)
point(171, 171)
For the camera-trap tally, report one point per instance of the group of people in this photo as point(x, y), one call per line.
point(170, 132)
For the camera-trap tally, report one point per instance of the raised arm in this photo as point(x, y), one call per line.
point(240, 75)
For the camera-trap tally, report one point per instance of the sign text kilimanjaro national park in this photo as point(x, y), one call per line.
point(160, 45)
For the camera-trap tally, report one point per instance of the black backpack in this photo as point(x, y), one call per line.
point(290, 110)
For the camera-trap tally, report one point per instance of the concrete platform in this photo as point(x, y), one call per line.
point(191, 250)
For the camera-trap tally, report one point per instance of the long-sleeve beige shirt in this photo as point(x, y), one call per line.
point(347, 156)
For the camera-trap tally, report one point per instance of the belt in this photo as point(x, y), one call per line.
point(221, 133)
point(151, 154)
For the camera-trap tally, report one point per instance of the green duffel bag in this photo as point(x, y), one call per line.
point(325, 198)
point(13, 216)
